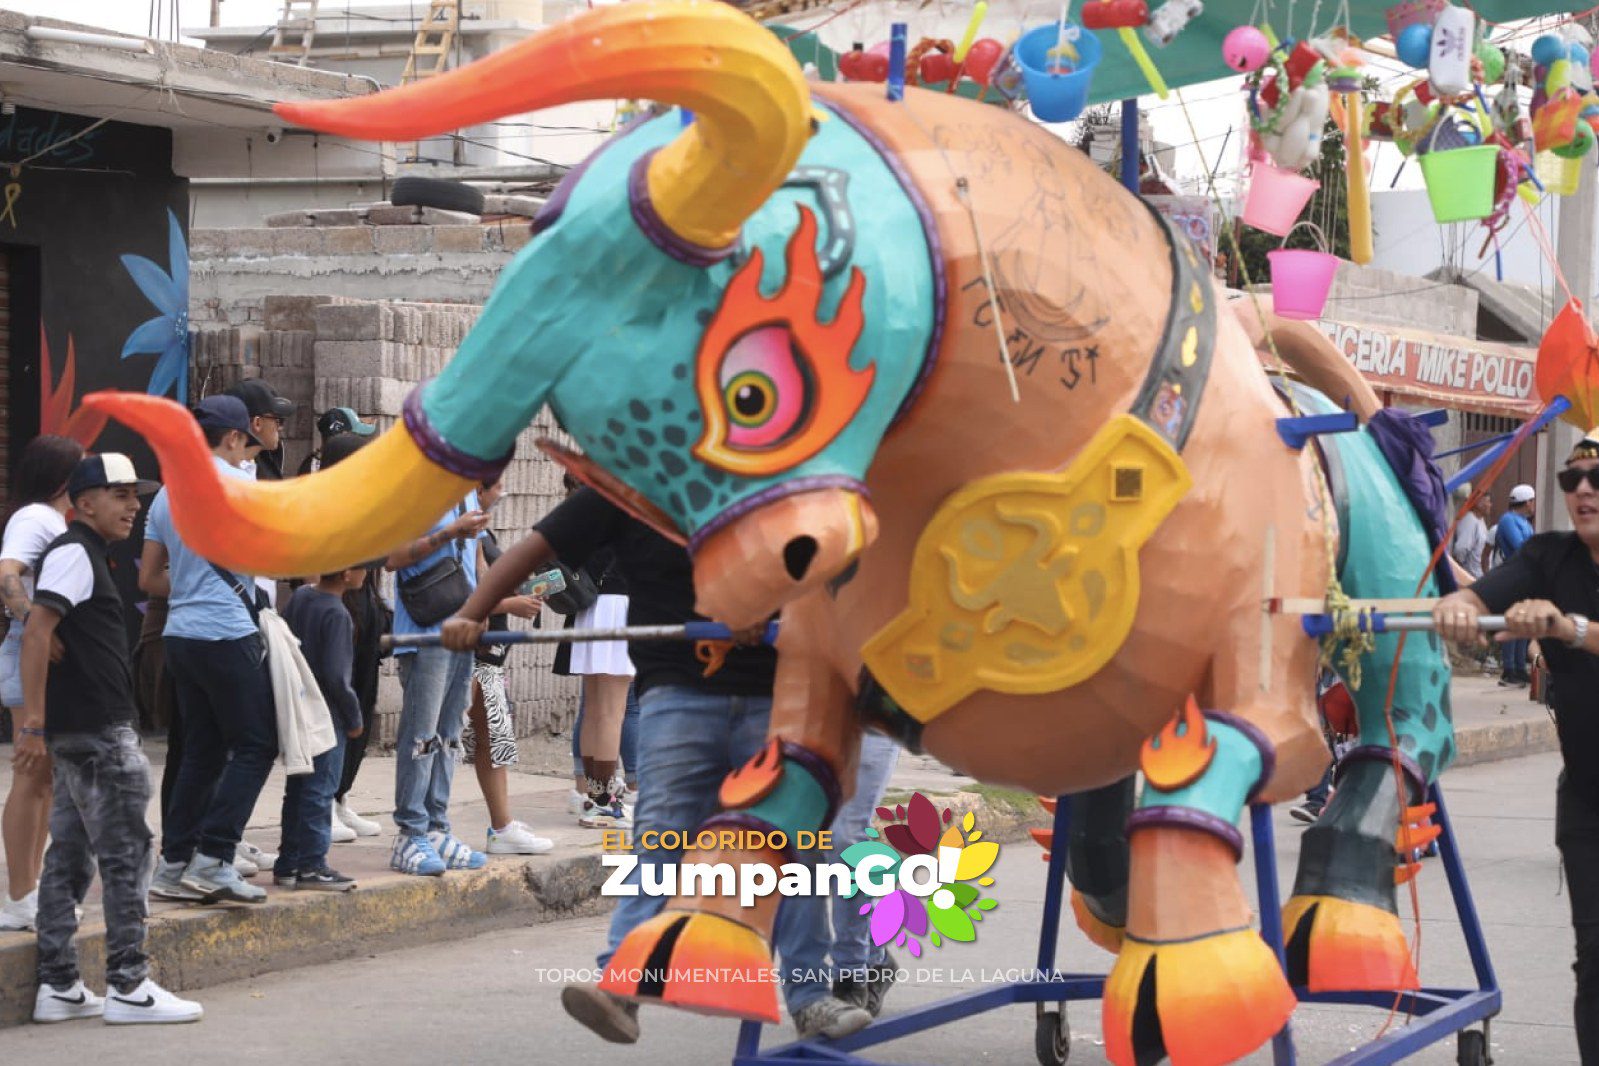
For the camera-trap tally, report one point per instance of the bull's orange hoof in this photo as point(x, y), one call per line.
point(1199, 1002)
point(1102, 933)
point(698, 962)
point(1338, 946)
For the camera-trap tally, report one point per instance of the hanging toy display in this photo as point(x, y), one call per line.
point(1057, 85)
point(1125, 17)
point(1565, 111)
point(1288, 106)
point(859, 64)
point(1246, 49)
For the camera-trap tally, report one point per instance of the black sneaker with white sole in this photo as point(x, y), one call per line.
point(866, 988)
point(326, 879)
point(609, 1017)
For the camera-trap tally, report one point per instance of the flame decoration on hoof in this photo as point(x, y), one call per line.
point(1180, 753)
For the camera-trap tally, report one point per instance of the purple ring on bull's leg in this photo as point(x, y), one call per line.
point(441, 451)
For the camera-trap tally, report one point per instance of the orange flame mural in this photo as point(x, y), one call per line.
point(56, 415)
point(1176, 756)
point(774, 383)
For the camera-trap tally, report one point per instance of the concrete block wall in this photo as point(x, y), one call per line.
point(325, 351)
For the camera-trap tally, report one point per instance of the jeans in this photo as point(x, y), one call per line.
point(629, 736)
point(688, 742)
point(11, 666)
point(437, 685)
point(308, 812)
point(1514, 656)
point(102, 785)
point(1577, 836)
point(230, 739)
point(852, 937)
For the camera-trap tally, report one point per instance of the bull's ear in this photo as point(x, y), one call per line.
point(751, 107)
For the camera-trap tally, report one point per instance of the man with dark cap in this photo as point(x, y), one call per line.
point(1547, 592)
point(218, 664)
point(268, 411)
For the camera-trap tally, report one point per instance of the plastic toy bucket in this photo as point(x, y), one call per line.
point(1301, 278)
point(1056, 97)
point(1560, 176)
point(1460, 182)
point(1276, 197)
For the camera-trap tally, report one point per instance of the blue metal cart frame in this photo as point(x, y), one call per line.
point(1437, 1012)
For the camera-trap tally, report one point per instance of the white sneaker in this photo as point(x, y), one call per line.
point(612, 814)
point(263, 860)
point(517, 839)
point(149, 1004)
point(53, 1004)
point(364, 827)
point(245, 867)
point(574, 802)
point(342, 834)
point(19, 914)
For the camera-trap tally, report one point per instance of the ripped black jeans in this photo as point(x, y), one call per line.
point(427, 745)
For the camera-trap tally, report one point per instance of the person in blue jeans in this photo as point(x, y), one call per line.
point(435, 683)
point(1515, 529)
point(316, 616)
point(217, 660)
point(863, 971)
point(693, 731)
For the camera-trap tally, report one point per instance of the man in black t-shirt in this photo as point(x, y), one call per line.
point(102, 779)
point(693, 731)
point(1548, 591)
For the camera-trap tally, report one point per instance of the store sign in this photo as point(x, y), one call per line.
point(1479, 374)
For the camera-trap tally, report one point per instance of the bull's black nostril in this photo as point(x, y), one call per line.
point(797, 556)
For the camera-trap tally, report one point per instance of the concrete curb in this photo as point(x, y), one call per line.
point(199, 947)
point(196, 947)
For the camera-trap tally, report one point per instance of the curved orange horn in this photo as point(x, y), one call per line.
point(750, 102)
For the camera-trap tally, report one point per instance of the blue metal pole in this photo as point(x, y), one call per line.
point(1054, 885)
point(1553, 410)
point(1130, 144)
point(1465, 906)
point(1271, 913)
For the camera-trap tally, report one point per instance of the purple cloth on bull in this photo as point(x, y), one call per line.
point(1406, 442)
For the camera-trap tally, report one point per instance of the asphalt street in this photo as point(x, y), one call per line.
point(487, 999)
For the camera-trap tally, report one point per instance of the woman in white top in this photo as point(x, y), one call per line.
point(38, 516)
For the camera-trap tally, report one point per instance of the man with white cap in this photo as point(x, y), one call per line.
point(1514, 530)
point(1549, 590)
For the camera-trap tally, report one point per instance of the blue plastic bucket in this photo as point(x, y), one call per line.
point(1056, 97)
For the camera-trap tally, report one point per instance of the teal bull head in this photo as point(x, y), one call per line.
point(722, 334)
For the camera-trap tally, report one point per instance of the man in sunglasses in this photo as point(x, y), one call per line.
point(1547, 592)
point(268, 412)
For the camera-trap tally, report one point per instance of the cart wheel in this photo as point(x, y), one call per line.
point(1052, 1040)
point(1472, 1048)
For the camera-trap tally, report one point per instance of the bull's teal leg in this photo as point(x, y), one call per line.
point(1342, 923)
point(1194, 981)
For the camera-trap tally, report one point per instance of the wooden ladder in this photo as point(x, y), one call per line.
point(435, 38)
point(299, 16)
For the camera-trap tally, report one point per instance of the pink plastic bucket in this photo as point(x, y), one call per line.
point(1276, 197)
point(1300, 281)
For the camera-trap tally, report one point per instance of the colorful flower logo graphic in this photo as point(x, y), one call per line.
point(953, 909)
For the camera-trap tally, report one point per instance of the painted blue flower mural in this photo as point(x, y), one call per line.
point(166, 335)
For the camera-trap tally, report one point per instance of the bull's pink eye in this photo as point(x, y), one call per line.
point(764, 388)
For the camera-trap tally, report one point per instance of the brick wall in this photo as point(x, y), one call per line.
point(325, 351)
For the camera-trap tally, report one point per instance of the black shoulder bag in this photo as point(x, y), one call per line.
point(437, 592)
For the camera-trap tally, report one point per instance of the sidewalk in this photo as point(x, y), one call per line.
point(193, 947)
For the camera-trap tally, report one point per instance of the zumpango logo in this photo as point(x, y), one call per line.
point(946, 909)
point(923, 873)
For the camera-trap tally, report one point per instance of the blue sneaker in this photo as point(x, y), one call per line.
point(456, 854)
point(415, 855)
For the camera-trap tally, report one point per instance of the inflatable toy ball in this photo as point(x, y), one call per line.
point(982, 58)
point(1548, 50)
point(1414, 45)
point(1245, 49)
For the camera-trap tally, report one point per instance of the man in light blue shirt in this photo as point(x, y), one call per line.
point(1515, 529)
point(217, 659)
point(435, 682)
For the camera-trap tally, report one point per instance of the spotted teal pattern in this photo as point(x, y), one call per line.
point(593, 319)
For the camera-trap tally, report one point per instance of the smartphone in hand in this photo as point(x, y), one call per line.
point(542, 586)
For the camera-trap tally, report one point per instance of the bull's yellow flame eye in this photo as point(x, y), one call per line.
point(751, 399)
point(774, 384)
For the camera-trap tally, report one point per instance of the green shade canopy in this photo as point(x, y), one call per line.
point(1195, 55)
